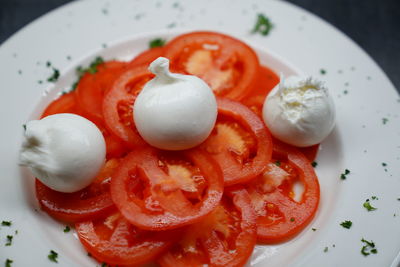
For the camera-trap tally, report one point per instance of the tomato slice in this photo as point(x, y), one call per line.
point(310, 152)
point(157, 190)
point(91, 87)
point(148, 56)
point(66, 103)
point(118, 104)
point(281, 213)
point(240, 142)
point(225, 237)
point(266, 81)
point(113, 240)
point(227, 64)
point(89, 203)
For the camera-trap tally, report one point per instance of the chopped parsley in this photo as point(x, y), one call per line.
point(54, 77)
point(385, 120)
point(345, 92)
point(9, 240)
point(314, 229)
point(48, 64)
point(314, 164)
point(92, 69)
point(368, 206)
point(67, 229)
point(53, 256)
point(263, 25)
point(326, 249)
point(398, 198)
point(347, 224)
point(6, 223)
point(8, 263)
point(368, 248)
point(158, 42)
point(24, 126)
point(322, 71)
point(343, 176)
point(374, 197)
point(278, 163)
point(292, 219)
point(104, 264)
point(384, 164)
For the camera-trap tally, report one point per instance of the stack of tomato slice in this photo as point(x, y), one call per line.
point(205, 206)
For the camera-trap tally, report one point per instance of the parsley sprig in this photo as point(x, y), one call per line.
point(368, 248)
point(263, 25)
point(158, 42)
point(53, 256)
point(347, 224)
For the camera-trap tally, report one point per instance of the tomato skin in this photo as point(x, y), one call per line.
point(294, 215)
point(179, 49)
point(92, 86)
point(124, 92)
point(114, 241)
point(148, 56)
point(215, 250)
point(310, 152)
point(176, 210)
point(266, 81)
point(66, 103)
point(89, 203)
point(234, 172)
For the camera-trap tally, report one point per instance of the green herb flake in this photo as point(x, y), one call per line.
point(263, 25)
point(8, 263)
point(69, 57)
point(314, 164)
point(158, 42)
point(19, 72)
point(292, 219)
point(9, 240)
point(326, 249)
point(6, 223)
point(92, 69)
point(374, 198)
point(104, 265)
point(343, 176)
point(345, 92)
point(89, 255)
point(314, 229)
point(322, 71)
point(398, 198)
point(384, 120)
point(67, 229)
point(278, 163)
point(24, 126)
point(53, 256)
point(384, 164)
point(368, 248)
point(347, 224)
point(368, 206)
point(54, 77)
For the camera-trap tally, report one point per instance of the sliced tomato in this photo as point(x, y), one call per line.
point(281, 213)
point(118, 104)
point(113, 240)
point(89, 203)
point(225, 237)
point(266, 81)
point(148, 56)
point(310, 152)
point(239, 142)
point(66, 103)
point(227, 64)
point(157, 190)
point(92, 86)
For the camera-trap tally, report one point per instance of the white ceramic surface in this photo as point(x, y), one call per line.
point(299, 42)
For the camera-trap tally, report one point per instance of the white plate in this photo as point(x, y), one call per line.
point(361, 141)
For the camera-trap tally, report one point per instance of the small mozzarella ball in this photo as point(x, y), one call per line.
point(299, 111)
point(64, 151)
point(174, 111)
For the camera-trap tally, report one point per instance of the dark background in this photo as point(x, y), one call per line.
point(373, 24)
